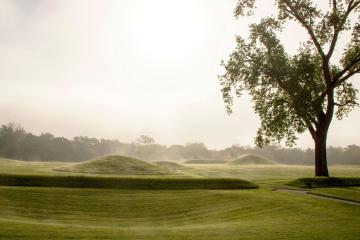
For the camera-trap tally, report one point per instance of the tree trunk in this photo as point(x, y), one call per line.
point(321, 169)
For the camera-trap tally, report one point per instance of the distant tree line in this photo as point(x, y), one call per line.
point(16, 143)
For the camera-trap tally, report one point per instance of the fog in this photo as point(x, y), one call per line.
point(118, 69)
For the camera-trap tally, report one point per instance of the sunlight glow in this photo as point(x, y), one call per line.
point(163, 35)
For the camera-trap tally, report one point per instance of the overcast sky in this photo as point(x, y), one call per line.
point(118, 69)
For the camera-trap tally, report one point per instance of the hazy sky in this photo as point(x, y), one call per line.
point(121, 68)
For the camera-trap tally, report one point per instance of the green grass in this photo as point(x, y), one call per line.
point(63, 213)
point(349, 193)
point(96, 213)
point(118, 165)
point(175, 168)
point(10, 166)
point(170, 165)
point(123, 182)
point(252, 159)
point(205, 162)
point(269, 174)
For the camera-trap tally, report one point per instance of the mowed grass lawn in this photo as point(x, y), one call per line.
point(72, 213)
point(63, 213)
point(352, 193)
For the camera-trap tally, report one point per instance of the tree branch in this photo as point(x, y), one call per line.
point(337, 80)
point(346, 77)
point(310, 128)
point(334, 5)
point(346, 103)
point(337, 28)
point(293, 12)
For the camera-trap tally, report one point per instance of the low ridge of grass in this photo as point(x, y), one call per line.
point(205, 162)
point(119, 165)
point(252, 159)
point(170, 165)
point(326, 182)
point(124, 182)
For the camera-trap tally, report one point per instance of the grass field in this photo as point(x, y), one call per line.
point(352, 193)
point(74, 213)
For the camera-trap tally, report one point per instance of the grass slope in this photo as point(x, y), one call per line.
point(170, 165)
point(349, 193)
point(119, 165)
point(205, 162)
point(63, 213)
point(250, 159)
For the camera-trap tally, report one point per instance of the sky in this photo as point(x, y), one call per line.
point(118, 69)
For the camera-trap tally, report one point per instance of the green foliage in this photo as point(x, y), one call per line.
point(294, 93)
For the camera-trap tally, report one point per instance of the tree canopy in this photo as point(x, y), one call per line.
point(299, 92)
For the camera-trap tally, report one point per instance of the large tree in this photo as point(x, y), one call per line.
point(303, 91)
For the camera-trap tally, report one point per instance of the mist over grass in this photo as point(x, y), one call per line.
point(252, 159)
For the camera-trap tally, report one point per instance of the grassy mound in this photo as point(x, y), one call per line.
point(326, 182)
point(170, 165)
point(119, 165)
point(252, 159)
point(205, 162)
point(124, 183)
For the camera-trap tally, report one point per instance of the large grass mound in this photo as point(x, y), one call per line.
point(252, 159)
point(153, 183)
point(326, 182)
point(119, 165)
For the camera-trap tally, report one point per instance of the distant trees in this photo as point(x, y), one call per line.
point(145, 140)
point(16, 143)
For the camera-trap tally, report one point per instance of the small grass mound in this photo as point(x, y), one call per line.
point(252, 159)
point(205, 162)
point(170, 165)
point(124, 183)
point(119, 165)
point(325, 182)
